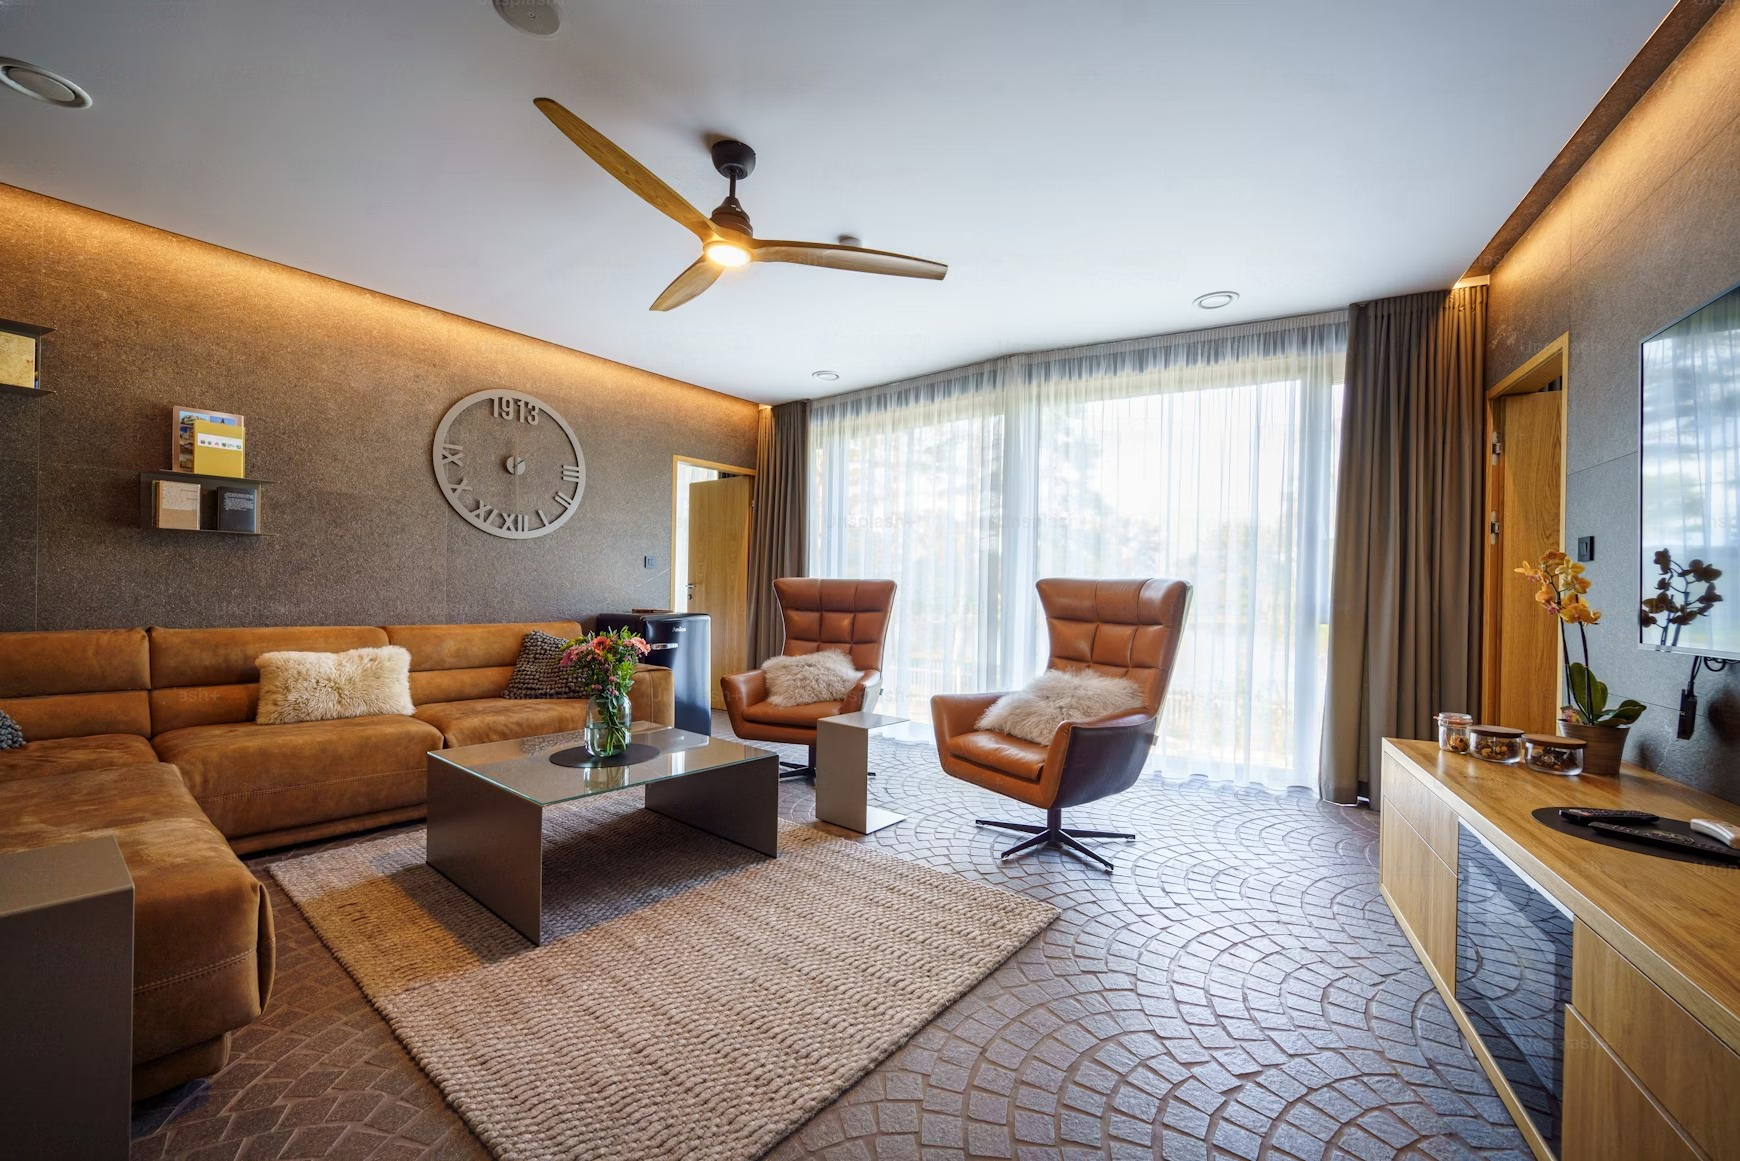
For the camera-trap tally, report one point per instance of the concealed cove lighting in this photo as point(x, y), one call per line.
point(825, 376)
point(39, 83)
point(725, 254)
point(1215, 299)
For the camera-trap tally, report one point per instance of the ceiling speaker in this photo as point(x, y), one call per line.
point(535, 17)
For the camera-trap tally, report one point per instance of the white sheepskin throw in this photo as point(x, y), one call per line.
point(1057, 696)
point(317, 687)
point(825, 675)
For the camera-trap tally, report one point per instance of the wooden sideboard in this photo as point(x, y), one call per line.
point(1652, 1034)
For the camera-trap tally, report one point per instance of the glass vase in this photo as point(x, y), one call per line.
point(608, 719)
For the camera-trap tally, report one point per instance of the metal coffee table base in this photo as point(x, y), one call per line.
point(489, 842)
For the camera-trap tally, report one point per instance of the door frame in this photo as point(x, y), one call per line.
point(676, 461)
point(1551, 362)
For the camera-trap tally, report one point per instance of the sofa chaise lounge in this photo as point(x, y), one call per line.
point(149, 735)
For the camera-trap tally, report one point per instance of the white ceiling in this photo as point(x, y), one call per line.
point(1086, 167)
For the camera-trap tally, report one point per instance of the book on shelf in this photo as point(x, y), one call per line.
point(238, 509)
point(175, 504)
point(181, 433)
point(18, 360)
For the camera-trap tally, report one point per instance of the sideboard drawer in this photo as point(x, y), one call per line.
point(1422, 890)
point(1608, 1116)
point(1431, 817)
point(1689, 1072)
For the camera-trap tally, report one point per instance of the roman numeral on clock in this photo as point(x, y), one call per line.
point(571, 473)
point(513, 523)
point(565, 501)
point(483, 512)
point(452, 453)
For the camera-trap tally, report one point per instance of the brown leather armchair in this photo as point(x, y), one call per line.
point(1124, 628)
point(848, 615)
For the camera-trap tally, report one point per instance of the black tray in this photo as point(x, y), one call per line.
point(1550, 816)
point(580, 756)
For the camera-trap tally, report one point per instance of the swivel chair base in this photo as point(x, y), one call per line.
point(1055, 834)
point(798, 769)
point(803, 770)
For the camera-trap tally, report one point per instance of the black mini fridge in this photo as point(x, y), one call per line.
point(682, 643)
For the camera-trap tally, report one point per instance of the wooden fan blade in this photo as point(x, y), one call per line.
point(626, 169)
point(688, 284)
point(836, 257)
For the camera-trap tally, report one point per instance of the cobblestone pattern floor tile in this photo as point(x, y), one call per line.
point(1235, 990)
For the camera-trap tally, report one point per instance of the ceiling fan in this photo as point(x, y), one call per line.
point(726, 238)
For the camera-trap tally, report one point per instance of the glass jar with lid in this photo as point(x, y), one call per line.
point(1453, 732)
point(1551, 754)
point(1500, 744)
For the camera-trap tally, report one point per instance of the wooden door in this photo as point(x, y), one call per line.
point(719, 569)
point(1527, 494)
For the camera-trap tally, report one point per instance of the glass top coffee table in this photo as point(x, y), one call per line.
point(486, 806)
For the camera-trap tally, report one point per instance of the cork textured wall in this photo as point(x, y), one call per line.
point(342, 389)
point(1647, 230)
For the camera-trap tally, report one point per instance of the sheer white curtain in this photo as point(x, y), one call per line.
point(1208, 456)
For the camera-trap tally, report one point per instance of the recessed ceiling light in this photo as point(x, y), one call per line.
point(535, 17)
point(1215, 299)
point(38, 82)
point(825, 376)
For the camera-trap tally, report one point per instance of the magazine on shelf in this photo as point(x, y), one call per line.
point(181, 432)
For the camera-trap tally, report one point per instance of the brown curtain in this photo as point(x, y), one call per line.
point(779, 542)
point(1404, 630)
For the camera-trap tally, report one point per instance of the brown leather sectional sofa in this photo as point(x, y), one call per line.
point(149, 736)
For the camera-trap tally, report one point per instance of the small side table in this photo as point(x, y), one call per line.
point(66, 971)
point(843, 772)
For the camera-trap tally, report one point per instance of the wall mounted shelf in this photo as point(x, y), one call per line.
point(212, 531)
point(197, 478)
point(13, 389)
point(208, 486)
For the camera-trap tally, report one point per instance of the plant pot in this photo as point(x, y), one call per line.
point(1605, 749)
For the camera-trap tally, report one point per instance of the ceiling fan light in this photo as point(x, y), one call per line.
point(726, 254)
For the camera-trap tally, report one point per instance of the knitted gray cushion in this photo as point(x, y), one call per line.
point(11, 737)
point(538, 672)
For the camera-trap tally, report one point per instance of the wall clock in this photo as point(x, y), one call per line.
point(509, 464)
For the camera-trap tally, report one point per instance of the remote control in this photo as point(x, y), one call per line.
point(1722, 832)
point(1584, 815)
point(1663, 838)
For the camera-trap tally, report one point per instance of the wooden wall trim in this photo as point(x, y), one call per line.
point(1671, 36)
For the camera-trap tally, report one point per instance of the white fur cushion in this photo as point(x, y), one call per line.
point(1057, 696)
point(317, 687)
point(825, 675)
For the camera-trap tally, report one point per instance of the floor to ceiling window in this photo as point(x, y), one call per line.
point(1208, 456)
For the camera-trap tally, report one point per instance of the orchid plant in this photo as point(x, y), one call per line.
point(1674, 606)
point(1562, 592)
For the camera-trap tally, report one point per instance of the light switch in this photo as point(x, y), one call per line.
point(648, 562)
point(1585, 548)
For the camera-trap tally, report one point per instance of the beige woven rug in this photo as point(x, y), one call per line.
point(692, 999)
